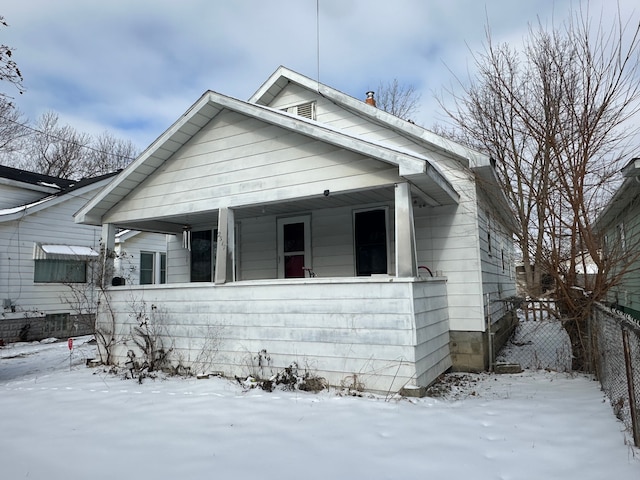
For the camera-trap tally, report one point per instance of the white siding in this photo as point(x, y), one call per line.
point(498, 271)
point(362, 327)
point(236, 161)
point(53, 225)
point(127, 264)
point(178, 269)
point(447, 238)
point(332, 243)
point(11, 196)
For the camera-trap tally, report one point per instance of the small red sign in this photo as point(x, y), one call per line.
point(70, 343)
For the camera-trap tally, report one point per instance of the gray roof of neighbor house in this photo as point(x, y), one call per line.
point(61, 188)
point(46, 182)
point(33, 180)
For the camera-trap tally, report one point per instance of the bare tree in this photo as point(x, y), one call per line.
point(12, 128)
point(9, 71)
point(55, 150)
point(106, 154)
point(62, 151)
point(555, 115)
point(400, 100)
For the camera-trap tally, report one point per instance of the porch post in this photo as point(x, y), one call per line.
point(107, 249)
point(406, 262)
point(225, 245)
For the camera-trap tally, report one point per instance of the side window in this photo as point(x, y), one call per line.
point(163, 267)
point(489, 246)
point(622, 241)
point(147, 262)
point(60, 271)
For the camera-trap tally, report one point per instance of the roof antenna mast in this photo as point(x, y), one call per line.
point(318, 43)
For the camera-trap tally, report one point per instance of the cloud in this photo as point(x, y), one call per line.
point(132, 68)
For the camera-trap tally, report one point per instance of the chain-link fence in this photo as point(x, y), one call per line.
point(539, 342)
point(616, 346)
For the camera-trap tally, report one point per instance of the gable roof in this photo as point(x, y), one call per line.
point(210, 104)
point(282, 76)
point(72, 189)
point(32, 180)
point(482, 164)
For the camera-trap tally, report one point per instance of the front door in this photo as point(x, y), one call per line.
point(294, 246)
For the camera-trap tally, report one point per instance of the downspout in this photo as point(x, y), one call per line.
point(490, 334)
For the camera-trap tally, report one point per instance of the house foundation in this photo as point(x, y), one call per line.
point(29, 329)
point(472, 352)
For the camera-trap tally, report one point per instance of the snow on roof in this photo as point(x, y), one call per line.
point(49, 252)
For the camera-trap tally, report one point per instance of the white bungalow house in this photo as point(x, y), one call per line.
point(315, 228)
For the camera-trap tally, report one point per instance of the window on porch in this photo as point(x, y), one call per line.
point(371, 245)
point(203, 255)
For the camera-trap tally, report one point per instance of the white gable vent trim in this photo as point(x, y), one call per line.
point(63, 252)
point(306, 110)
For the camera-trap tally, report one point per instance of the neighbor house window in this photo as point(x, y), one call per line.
point(621, 238)
point(489, 247)
point(203, 255)
point(60, 271)
point(370, 232)
point(153, 268)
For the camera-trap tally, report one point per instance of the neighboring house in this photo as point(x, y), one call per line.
point(316, 228)
point(43, 251)
point(620, 224)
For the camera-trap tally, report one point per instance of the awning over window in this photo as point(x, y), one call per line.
point(63, 252)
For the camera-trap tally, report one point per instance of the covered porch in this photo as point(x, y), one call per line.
point(336, 308)
point(344, 234)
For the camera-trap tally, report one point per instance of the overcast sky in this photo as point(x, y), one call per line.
point(134, 67)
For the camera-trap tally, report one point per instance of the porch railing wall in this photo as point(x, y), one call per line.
point(380, 333)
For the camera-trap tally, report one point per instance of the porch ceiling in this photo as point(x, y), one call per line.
point(359, 199)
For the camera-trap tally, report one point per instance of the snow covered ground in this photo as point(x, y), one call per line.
point(538, 344)
point(62, 422)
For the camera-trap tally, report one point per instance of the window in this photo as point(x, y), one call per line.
point(370, 229)
point(153, 268)
point(147, 261)
point(60, 271)
point(622, 241)
point(203, 255)
point(489, 247)
point(163, 267)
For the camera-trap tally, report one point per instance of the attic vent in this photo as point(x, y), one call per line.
point(306, 110)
